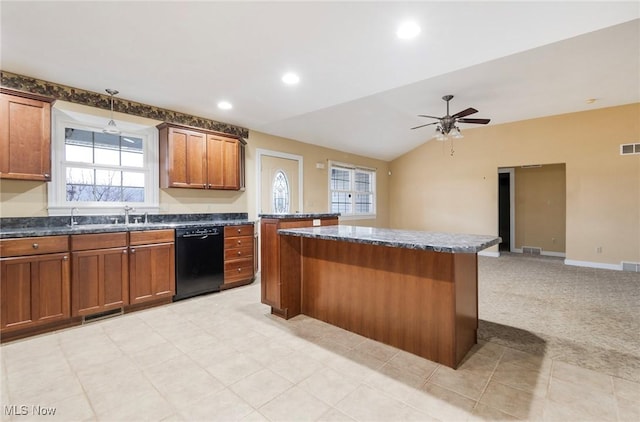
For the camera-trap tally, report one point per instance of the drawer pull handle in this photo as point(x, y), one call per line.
point(35, 246)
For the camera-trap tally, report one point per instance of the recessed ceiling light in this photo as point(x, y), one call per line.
point(225, 105)
point(408, 30)
point(290, 78)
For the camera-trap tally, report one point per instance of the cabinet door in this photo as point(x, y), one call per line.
point(34, 290)
point(184, 156)
point(270, 271)
point(99, 280)
point(25, 138)
point(152, 272)
point(223, 158)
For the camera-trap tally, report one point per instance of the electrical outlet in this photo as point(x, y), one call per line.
point(599, 249)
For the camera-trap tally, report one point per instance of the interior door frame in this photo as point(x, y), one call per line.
point(278, 154)
point(512, 206)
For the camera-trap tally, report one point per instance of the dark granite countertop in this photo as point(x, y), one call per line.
point(52, 226)
point(409, 239)
point(301, 215)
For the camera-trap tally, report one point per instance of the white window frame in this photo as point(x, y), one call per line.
point(57, 197)
point(353, 168)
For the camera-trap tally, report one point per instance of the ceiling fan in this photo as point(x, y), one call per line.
point(448, 124)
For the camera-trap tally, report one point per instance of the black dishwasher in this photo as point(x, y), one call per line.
point(199, 261)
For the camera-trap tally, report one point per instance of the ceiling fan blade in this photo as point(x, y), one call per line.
point(431, 117)
point(477, 121)
point(428, 124)
point(466, 112)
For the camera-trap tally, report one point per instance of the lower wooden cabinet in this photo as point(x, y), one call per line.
point(34, 291)
point(151, 266)
point(100, 279)
point(239, 254)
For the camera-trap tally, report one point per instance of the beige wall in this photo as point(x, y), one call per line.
point(431, 190)
point(540, 212)
point(20, 198)
point(316, 184)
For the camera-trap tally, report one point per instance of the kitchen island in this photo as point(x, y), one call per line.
point(417, 291)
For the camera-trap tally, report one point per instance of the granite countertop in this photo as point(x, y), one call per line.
point(301, 215)
point(7, 233)
point(409, 239)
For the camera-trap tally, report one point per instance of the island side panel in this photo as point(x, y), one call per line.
point(270, 263)
point(402, 297)
point(290, 275)
point(466, 283)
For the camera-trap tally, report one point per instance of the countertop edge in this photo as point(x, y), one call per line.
point(87, 229)
point(394, 244)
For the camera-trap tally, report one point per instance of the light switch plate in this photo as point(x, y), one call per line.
point(316, 222)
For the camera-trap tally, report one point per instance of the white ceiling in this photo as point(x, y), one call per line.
point(361, 87)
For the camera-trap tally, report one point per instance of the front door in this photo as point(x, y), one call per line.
point(278, 185)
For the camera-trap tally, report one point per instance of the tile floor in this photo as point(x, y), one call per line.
point(223, 357)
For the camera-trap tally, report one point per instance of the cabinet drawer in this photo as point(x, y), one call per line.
point(238, 242)
point(244, 230)
point(82, 242)
point(151, 236)
point(238, 270)
point(238, 253)
point(33, 245)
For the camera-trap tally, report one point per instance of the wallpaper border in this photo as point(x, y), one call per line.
point(93, 99)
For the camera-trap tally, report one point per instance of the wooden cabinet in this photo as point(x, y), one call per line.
point(277, 292)
point(239, 255)
point(100, 279)
point(25, 136)
point(151, 265)
point(200, 159)
point(34, 282)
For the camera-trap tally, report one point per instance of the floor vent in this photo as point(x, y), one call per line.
point(627, 149)
point(634, 267)
point(531, 250)
point(102, 315)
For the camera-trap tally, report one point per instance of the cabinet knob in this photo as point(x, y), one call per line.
point(124, 252)
point(239, 253)
point(35, 246)
point(239, 269)
point(47, 175)
point(239, 242)
point(209, 185)
point(66, 258)
point(133, 251)
point(239, 231)
point(204, 185)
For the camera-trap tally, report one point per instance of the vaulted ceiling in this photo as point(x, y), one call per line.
point(361, 88)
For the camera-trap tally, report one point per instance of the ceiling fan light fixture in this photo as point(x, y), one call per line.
point(455, 133)
point(111, 128)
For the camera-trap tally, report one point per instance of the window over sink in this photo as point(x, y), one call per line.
point(352, 190)
point(101, 173)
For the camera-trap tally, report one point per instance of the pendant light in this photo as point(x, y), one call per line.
point(111, 127)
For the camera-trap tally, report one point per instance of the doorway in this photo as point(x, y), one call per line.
point(506, 209)
point(279, 183)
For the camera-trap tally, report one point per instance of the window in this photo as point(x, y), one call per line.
point(352, 190)
point(280, 193)
point(100, 173)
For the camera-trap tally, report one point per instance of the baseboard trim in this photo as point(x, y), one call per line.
point(590, 264)
point(490, 254)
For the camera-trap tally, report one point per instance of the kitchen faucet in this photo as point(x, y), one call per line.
point(73, 222)
point(127, 208)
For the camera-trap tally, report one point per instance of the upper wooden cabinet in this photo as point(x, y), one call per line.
point(200, 159)
point(25, 136)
